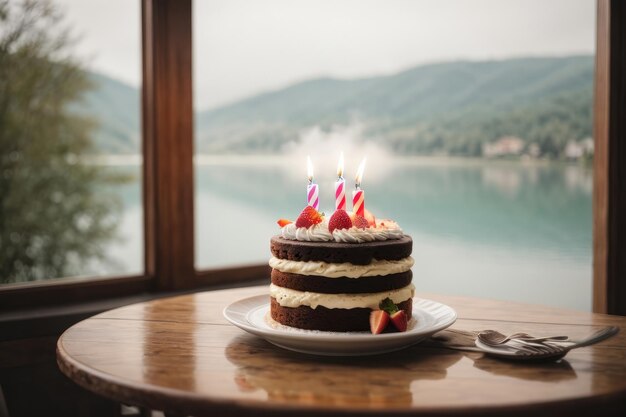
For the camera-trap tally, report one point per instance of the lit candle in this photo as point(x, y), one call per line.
point(312, 192)
point(358, 196)
point(340, 186)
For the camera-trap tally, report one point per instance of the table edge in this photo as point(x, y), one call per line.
point(179, 401)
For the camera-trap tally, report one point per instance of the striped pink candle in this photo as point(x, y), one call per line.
point(340, 187)
point(313, 196)
point(312, 190)
point(358, 195)
point(358, 202)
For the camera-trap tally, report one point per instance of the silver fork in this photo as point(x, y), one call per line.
point(549, 350)
point(494, 338)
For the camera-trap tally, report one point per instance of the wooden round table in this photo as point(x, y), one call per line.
point(181, 356)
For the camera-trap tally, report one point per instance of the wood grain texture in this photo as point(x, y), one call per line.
point(180, 355)
point(600, 158)
point(168, 143)
point(609, 191)
point(60, 291)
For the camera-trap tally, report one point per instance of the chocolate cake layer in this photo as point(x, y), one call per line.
point(334, 252)
point(328, 319)
point(341, 285)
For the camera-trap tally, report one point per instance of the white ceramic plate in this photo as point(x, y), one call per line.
point(252, 315)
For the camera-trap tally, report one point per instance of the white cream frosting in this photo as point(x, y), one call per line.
point(316, 233)
point(356, 235)
point(384, 230)
point(292, 298)
point(346, 269)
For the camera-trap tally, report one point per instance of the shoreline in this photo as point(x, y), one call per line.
point(272, 160)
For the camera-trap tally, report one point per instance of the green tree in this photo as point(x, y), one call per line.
point(53, 219)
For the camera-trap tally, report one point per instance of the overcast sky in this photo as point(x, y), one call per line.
point(246, 47)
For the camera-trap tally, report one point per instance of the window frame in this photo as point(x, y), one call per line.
point(609, 165)
point(168, 172)
point(168, 183)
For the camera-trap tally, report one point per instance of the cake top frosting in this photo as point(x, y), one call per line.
point(341, 227)
point(385, 230)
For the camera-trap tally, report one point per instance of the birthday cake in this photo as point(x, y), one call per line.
point(351, 272)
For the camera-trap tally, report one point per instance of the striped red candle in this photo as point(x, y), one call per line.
point(340, 186)
point(312, 190)
point(358, 195)
point(313, 196)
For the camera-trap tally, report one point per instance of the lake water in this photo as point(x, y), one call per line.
point(495, 229)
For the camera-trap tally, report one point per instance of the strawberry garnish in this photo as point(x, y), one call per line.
point(339, 220)
point(378, 321)
point(308, 217)
point(396, 316)
point(283, 222)
point(370, 218)
point(388, 306)
point(360, 222)
point(399, 320)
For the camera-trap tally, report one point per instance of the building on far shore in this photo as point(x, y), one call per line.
point(515, 146)
point(506, 145)
point(578, 149)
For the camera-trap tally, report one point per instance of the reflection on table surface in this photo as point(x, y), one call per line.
point(182, 351)
point(389, 380)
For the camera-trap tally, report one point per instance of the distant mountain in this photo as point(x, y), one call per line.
point(449, 108)
point(115, 107)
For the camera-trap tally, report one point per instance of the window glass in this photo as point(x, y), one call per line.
point(69, 139)
point(475, 117)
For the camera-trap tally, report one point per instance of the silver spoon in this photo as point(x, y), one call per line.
point(523, 351)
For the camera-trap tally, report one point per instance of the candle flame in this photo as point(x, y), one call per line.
point(340, 166)
point(309, 166)
point(359, 173)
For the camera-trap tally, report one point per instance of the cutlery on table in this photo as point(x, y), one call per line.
point(539, 348)
point(494, 338)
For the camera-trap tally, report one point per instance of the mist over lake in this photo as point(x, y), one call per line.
point(496, 229)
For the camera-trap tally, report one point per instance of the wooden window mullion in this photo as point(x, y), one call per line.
point(168, 142)
point(609, 172)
